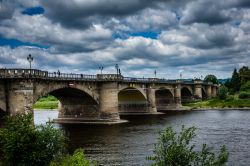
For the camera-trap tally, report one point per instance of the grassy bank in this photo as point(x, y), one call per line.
point(48, 102)
point(230, 102)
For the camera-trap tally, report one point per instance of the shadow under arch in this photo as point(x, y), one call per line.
point(75, 103)
point(2, 115)
point(132, 100)
point(204, 94)
point(164, 98)
point(186, 95)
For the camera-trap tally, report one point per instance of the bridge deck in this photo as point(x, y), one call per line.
point(39, 74)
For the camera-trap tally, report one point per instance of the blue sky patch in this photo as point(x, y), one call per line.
point(33, 11)
point(13, 43)
point(152, 35)
point(148, 34)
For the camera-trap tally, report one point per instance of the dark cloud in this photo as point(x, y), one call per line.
point(82, 14)
point(193, 36)
point(240, 3)
point(205, 11)
point(7, 9)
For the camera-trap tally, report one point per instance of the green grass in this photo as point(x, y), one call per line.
point(230, 102)
point(48, 102)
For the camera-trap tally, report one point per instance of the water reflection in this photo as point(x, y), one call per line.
point(130, 143)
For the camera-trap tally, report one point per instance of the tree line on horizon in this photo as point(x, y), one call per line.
point(238, 84)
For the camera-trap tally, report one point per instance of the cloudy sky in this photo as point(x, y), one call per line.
point(192, 37)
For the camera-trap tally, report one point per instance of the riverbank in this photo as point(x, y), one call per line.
point(48, 102)
point(233, 102)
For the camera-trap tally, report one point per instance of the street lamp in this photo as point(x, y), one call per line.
point(117, 67)
point(101, 68)
point(30, 59)
point(155, 73)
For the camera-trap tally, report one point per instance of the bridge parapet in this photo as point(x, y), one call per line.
point(34, 73)
point(22, 73)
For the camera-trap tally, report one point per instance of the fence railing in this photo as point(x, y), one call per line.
point(34, 73)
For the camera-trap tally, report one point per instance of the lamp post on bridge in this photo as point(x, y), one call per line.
point(116, 67)
point(101, 68)
point(155, 73)
point(30, 59)
point(117, 70)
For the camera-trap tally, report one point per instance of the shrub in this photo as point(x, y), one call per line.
point(22, 143)
point(77, 159)
point(244, 95)
point(245, 87)
point(222, 92)
point(175, 149)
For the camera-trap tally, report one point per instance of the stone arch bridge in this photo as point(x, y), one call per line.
point(96, 97)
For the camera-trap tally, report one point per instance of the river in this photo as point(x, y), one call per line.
point(129, 143)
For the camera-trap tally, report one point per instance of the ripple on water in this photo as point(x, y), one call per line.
point(130, 143)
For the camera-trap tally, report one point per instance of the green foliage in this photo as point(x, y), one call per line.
point(230, 102)
point(77, 159)
point(238, 80)
point(46, 105)
point(22, 143)
point(211, 78)
point(244, 74)
point(48, 98)
point(235, 81)
point(245, 87)
point(222, 92)
point(47, 102)
point(174, 149)
point(244, 95)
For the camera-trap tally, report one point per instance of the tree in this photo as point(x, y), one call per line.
point(235, 81)
point(228, 84)
point(222, 92)
point(211, 78)
point(244, 73)
point(174, 149)
point(22, 143)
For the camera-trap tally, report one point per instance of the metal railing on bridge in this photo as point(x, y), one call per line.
point(34, 73)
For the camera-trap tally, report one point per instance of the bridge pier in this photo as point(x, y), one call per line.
point(214, 91)
point(209, 91)
point(177, 95)
point(3, 96)
point(198, 91)
point(109, 101)
point(151, 99)
point(20, 97)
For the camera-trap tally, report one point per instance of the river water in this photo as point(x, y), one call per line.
point(129, 143)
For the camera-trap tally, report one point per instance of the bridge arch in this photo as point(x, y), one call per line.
point(186, 94)
point(45, 89)
point(74, 102)
point(164, 98)
point(131, 99)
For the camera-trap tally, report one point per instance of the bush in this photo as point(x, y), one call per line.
point(77, 159)
point(245, 87)
point(244, 95)
point(222, 92)
point(22, 143)
point(173, 149)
